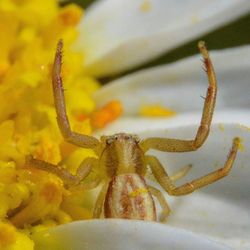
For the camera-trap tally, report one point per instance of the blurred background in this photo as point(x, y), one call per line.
point(234, 34)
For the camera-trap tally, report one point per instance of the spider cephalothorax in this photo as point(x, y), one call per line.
point(123, 161)
point(122, 154)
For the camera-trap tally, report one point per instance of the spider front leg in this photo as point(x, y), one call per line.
point(69, 180)
point(176, 145)
point(167, 184)
point(62, 119)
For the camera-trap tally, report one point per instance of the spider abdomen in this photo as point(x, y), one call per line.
point(128, 197)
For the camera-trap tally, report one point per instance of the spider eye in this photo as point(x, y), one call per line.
point(126, 137)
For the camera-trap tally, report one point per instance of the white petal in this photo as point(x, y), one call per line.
point(137, 125)
point(180, 85)
point(125, 234)
point(117, 35)
point(219, 211)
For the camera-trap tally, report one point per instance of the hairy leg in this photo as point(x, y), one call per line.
point(168, 185)
point(177, 145)
point(164, 205)
point(69, 180)
point(62, 119)
point(181, 173)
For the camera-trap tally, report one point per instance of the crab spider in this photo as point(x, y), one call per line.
point(123, 161)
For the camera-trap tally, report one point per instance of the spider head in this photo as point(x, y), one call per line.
point(121, 154)
point(121, 139)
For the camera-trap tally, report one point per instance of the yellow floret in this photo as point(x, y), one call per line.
point(29, 33)
point(16, 193)
point(11, 239)
point(48, 197)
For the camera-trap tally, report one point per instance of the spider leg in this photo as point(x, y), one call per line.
point(93, 184)
point(69, 180)
point(177, 145)
point(99, 202)
point(168, 185)
point(163, 203)
point(181, 173)
point(62, 119)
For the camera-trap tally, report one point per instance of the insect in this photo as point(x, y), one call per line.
point(123, 161)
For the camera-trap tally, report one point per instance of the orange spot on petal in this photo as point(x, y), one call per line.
point(81, 117)
point(108, 113)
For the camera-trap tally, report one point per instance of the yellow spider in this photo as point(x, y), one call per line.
point(123, 161)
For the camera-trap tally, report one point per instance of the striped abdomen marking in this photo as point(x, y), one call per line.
point(128, 197)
